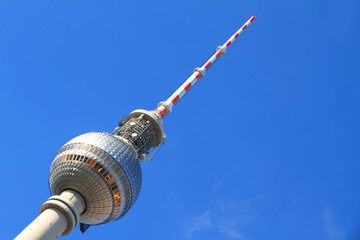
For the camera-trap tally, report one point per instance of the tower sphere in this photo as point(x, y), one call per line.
point(104, 169)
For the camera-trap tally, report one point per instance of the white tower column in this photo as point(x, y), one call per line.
point(58, 216)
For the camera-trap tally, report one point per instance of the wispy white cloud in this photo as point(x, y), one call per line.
point(201, 222)
point(226, 218)
point(332, 230)
point(228, 227)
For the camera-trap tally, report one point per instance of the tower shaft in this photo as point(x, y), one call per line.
point(58, 216)
point(48, 225)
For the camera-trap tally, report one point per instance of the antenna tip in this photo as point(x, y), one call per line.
point(252, 18)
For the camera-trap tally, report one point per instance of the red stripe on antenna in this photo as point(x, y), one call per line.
point(236, 35)
point(198, 75)
point(243, 28)
point(252, 18)
point(228, 43)
point(161, 111)
point(218, 53)
point(186, 86)
point(207, 64)
point(175, 98)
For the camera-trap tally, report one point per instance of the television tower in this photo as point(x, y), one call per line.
point(95, 178)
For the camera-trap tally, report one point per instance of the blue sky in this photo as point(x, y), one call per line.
point(266, 146)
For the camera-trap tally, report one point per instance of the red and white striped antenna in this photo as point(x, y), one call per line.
point(164, 108)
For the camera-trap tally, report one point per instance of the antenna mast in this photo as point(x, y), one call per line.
point(164, 108)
